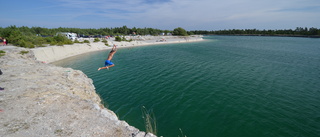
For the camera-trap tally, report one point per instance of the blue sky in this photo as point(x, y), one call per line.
point(162, 14)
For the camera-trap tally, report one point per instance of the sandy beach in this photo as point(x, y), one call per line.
point(41, 99)
point(54, 53)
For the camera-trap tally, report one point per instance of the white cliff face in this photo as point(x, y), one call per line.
point(45, 100)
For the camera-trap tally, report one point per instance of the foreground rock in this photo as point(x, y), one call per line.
point(45, 100)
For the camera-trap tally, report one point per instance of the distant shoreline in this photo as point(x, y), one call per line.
point(303, 36)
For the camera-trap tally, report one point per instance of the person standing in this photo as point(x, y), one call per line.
point(4, 41)
point(1, 74)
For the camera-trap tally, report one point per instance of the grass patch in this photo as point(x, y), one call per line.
point(2, 53)
point(149, 120)
point(24, 52)
point(105, 42)
point(77, 41)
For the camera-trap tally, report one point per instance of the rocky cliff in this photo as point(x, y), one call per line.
point(45, 100)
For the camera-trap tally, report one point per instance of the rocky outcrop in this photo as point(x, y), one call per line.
point(45, 100)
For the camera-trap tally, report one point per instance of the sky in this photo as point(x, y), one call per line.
point(162, 14)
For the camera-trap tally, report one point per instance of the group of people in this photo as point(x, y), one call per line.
point(3, 41)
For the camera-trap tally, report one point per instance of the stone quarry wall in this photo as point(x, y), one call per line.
point(45, 100)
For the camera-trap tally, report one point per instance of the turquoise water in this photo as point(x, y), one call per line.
point(226, 86)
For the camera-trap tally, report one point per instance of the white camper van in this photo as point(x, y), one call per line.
point(71, 36)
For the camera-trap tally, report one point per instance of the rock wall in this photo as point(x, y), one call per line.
point(45, 100)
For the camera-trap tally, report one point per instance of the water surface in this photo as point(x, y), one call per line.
point(225, 86)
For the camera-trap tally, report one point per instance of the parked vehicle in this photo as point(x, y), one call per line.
point(69, 35)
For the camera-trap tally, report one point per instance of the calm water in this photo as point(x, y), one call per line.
point(227, 86)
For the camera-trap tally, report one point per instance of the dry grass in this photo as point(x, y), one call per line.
point(149, 120)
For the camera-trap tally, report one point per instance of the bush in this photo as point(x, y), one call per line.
point(76, 41)
point(39, 41)
point(62, 40)
point(180, 32)
point(25, 44)
point(105, 42)
point(86, 41)
point(2, 53)
point(24, 52)
point(123, 39)
point(60, 44)
point(96, 40)
point(117, 38)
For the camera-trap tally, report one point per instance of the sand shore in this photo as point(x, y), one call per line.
point(41, 99)
point(54, 53)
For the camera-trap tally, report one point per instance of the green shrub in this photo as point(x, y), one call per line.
point(117, 38)
point(180, 32)
point(60, 44)
point(25, 44)
point(86, 41)
point(39, 41)
point(96, 40)
point(76, 41)
point(123, 39)
point(62, 40)
point(24, 52)
point(104, 41)
point(2, 53)
point(49, 39)
point(53, 43)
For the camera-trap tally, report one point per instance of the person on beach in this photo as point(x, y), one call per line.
point(4, 42)
point(1, 74)
point(108, 62)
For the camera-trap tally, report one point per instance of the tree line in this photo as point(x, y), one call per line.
point(101, 31)
point(38, 36)
point(31, 37)
point(299, 31)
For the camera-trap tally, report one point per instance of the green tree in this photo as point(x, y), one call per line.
point(180, 32)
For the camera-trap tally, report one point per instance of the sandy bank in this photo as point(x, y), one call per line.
point(54, 53)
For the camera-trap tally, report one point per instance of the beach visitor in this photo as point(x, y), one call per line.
point(1, 89)
point(108, 62)
point(1, 74)
point(4, 41)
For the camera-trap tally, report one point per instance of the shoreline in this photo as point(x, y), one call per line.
point(55, 53)
point(266, 35)
point(41, 99)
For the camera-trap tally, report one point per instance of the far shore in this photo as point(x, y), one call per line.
point(276, 35)
point(51, 54)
